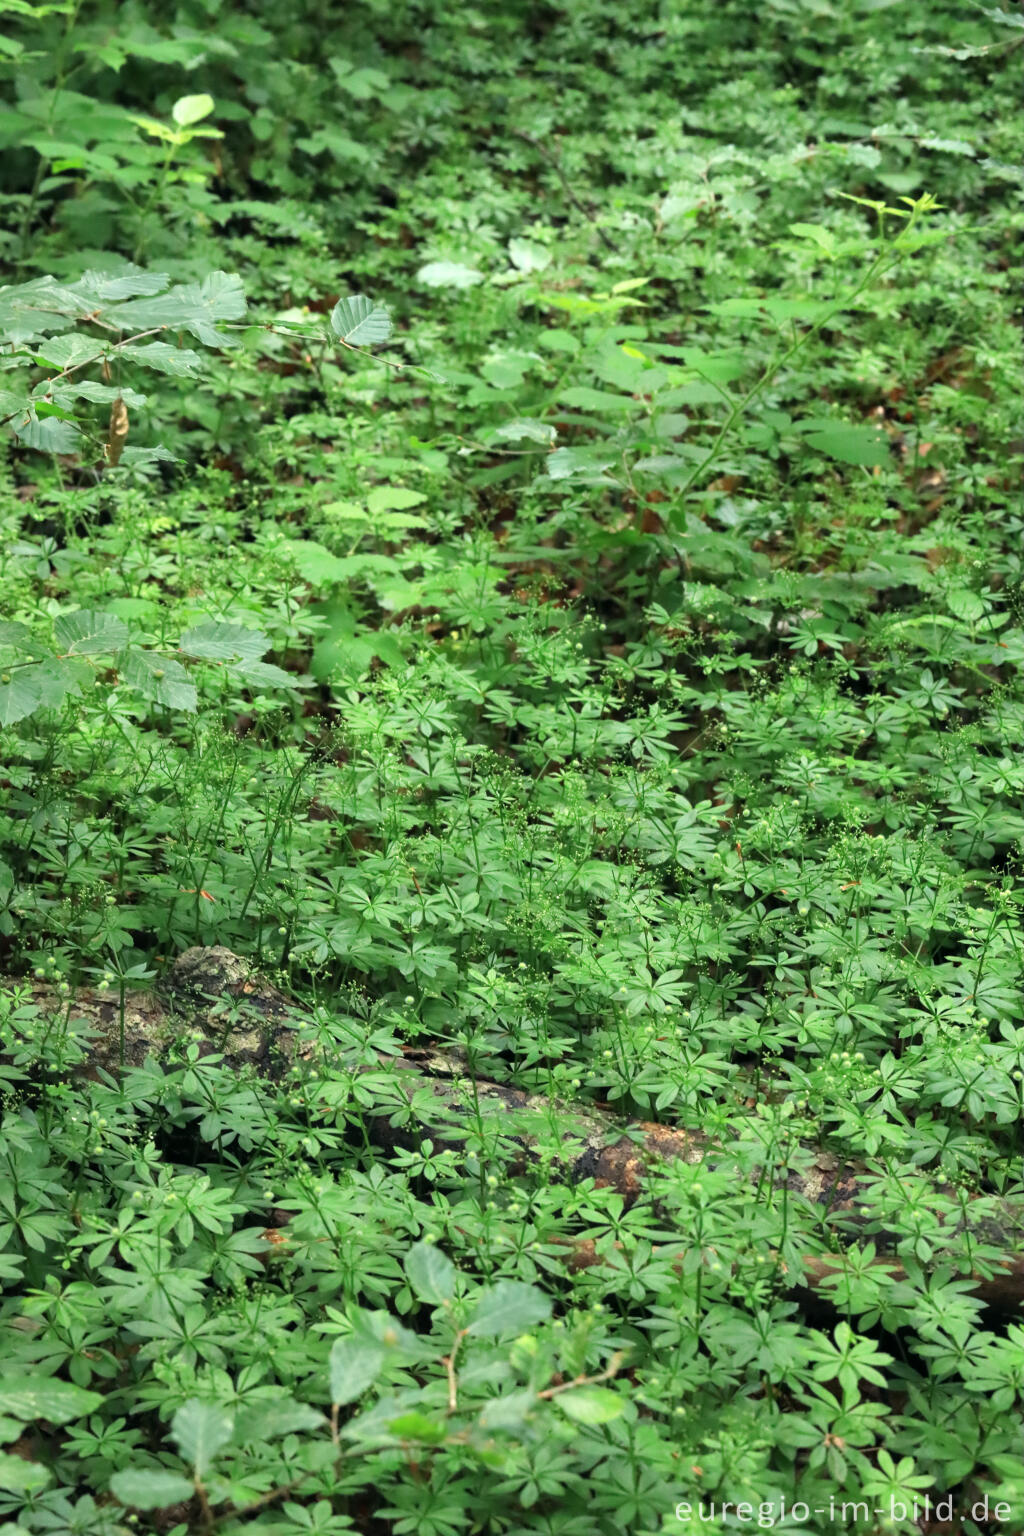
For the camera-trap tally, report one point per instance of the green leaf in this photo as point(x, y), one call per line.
point(201, 1430)
point(430, 1273)
point(965, 604)
point(179, 362)
point(194, 307)
point(49, 434)
point(510, 1306)
point(392, 498)
point(191, 109)
point(528, 427)
point(598, 399)
point(510, 1411)
point(128, 282)
point(20, 1476)
point(263, 674)
point(354, 1367)
point(157, 678)
point(19, 698)
point(89, 632)
point(449, 274)
point(587, 464)
point(260, 1422)
point(528, 256)
point(359, 322)
point(823, 238)
point(69, 351)
point(65, 394)
point(150, 1488)
point(314, 563)
point(417, 1426)
point(156, 455)
point(846, 441)
point(217, 641)
point(15, 634)
point(56, 677)
point(591, 1405)
point(719, 368)
point(55, 1401)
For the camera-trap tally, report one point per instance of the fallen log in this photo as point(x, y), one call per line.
point(214, 1000)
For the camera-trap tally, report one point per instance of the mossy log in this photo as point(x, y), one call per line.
point(214, 999)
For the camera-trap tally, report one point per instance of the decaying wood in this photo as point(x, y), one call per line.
point(214, 999)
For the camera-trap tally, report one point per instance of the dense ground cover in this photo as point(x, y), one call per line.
point(604, 665)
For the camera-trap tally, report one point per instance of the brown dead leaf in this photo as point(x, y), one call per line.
point(117, 433)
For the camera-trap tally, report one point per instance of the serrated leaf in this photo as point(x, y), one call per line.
point(846, 441)
point(19, 698)
point(194, 307)
point(568, 463)
point(155, 455)
point(191, 109)
point(430, 1273)
point(128, 282)
point(359, 322)
point(55, 1401)
point(179, 362)
point(157, 678)
point(510, 1306)
point(200, 1431)
point(31, 310)
point(527, 427)
point(392, 498)
point(67, 393)
point(71, 350)
point(353, 1368)
point(150, 1488)
point(49, 434)
point(591, 1405)
point(56, 677)
point(217, 641)
point(449, 274)
point(89, 632)
point(263, 674)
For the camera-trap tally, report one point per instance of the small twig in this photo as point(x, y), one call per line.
point(610, 1370)
point(448, 1361)
point(555, 164)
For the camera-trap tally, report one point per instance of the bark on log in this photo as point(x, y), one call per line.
point(215, 999)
